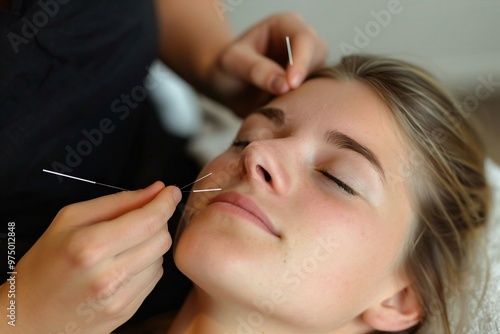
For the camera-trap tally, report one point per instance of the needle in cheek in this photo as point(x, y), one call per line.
point(205, 190)
point(200, 190)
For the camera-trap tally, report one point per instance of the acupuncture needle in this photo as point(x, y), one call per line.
point(199, 190)
point(201, 178)
point(289, 48)
point(83, 180)
point(123, 189)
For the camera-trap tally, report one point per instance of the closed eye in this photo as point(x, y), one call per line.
point(241, 143)
point(339, 182)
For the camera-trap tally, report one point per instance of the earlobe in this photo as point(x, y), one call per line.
point(398, 312)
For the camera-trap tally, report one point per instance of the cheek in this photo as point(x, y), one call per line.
point(326, 274)
point(223, 171)
point(324, 236)
point(342, 252)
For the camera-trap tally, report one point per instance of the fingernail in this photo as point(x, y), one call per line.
point(176, 193)
point(279, 85)
point(295, 80)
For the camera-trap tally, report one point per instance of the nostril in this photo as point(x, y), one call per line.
point(264, 173)
point(267, 177)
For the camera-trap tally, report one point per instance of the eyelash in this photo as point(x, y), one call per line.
point(241, 143)
point(340, 183)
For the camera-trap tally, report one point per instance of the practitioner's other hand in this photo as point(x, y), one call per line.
point(95, 264)
point(255, 66)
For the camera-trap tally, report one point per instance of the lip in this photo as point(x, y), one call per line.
point(242, 203)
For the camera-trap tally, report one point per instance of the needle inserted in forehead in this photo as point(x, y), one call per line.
point(84, 180)
point(289, 48)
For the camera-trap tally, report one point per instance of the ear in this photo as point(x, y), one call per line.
point(398, 312)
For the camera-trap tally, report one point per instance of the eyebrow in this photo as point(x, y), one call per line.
point(344, 141)
point(275, 115)
point(337, 138)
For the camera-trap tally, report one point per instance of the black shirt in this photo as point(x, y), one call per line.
point(72, 95)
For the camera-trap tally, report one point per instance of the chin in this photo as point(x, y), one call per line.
point(224, 257)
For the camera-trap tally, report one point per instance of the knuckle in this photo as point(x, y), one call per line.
point(104, 287)
point(255, 70)
point(114, 307)
point(98, 288)
point(80, 252)
point(160, 266)
point(65, 214)
point(159, 271)
point(228, 56)
point(153, 220)
point(165, 241)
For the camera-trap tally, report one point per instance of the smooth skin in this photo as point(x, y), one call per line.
point(331, 261)
point(114, 245)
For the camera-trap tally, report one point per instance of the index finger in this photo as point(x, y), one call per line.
point(105, 207)
point(134, 227)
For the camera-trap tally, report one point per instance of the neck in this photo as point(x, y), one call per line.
point(196, 316)
point(202, 314)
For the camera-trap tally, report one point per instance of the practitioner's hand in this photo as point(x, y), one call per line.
point(259, 59)
point(95, 264)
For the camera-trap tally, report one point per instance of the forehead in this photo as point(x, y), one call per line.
point(340, 101)
point(340, 105)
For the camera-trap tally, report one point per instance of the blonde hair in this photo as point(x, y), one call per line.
point(446, 179)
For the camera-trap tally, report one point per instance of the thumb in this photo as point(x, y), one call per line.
point(111, 206)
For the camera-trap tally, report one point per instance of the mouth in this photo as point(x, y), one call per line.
point(242, 206)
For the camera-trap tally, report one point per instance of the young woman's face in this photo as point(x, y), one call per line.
point(312, 219)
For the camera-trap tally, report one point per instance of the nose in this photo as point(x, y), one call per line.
point(265, 165)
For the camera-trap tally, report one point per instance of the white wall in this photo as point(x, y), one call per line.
point(457, 40)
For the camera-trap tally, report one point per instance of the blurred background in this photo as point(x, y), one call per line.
point(456, 40)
